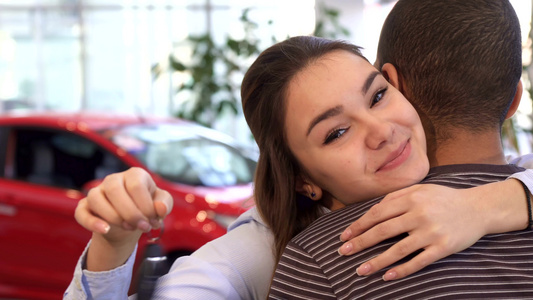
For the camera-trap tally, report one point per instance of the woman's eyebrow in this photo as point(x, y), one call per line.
point(327, 114)
point(339, 109)
point(368, 82)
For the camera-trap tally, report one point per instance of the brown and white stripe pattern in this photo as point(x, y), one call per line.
point(496, 267)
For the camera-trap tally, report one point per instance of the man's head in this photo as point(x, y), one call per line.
point(458, 61)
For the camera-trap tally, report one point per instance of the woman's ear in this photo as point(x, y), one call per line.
point(516, 100)
point(308, 189)
point(391, 74)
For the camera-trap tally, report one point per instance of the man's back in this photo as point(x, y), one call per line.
point(497, 266)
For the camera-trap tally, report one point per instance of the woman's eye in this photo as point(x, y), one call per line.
point(378, 96)
point(335, 134)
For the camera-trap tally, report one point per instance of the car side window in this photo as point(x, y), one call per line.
point(4, 135)
point(59, 158)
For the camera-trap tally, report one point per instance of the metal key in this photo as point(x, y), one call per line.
point(154, 265)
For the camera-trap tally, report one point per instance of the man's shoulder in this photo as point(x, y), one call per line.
point(329, 226)
point(472, 169)
point(469, 175)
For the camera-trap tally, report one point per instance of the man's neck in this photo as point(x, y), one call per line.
point(467, 148)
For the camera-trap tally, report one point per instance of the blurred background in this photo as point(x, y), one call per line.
point(176, 57)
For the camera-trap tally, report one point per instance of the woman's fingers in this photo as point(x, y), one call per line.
point(89, 221)
point(99, 206)
point(400, 250)
point(130, 200)
point(141, 189)
point(433, 217)
point(131, 194)
point(392, 205)
point(417, 263)
point(163, 203)
point(375, 217)
point(395, 253)
point(415, 201)
point(377, 234)
point(114, 188)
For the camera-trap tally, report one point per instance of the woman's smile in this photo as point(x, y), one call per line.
point(396, 157)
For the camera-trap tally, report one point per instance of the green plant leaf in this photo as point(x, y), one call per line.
point(234, 45)
point(227, 104)
point(176, 65)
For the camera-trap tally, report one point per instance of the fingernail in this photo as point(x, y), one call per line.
point(390, 275)
point(363, 269)
point(144, 226)
point(347, 234)
point(345, 249)
point(102, 227)
point(155, 223)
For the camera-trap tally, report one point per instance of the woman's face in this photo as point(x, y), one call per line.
point(353, 133)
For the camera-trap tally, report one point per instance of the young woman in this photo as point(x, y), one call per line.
point(377, 155)
point(376, 145)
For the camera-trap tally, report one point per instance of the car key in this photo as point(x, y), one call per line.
point(154, 265)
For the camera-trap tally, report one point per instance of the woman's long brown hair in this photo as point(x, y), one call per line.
point(264, 92)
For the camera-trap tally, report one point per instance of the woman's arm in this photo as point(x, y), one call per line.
point(439, 220)
point(117, 212)
point(238, 265)
point(112, 284)
point(225, 268)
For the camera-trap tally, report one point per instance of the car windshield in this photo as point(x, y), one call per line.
point(177, 154)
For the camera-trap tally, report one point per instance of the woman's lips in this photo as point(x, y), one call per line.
point(397, 157)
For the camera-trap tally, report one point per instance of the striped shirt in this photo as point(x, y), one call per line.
point(498, 266)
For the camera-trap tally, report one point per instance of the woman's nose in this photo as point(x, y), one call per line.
point(378, 133)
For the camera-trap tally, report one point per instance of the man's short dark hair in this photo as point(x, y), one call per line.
point(460, 60)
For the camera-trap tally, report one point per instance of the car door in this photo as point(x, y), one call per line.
point(42, 174)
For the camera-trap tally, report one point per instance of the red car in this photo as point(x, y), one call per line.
point(48, 162)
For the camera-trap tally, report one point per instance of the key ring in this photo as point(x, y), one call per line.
point(154, 265)
point(155, 234)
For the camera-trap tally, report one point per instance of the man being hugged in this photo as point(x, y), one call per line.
point(459, 64)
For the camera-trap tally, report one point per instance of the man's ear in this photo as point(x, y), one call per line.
point(391, 74)
point(516, 100)
point(307, 188)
